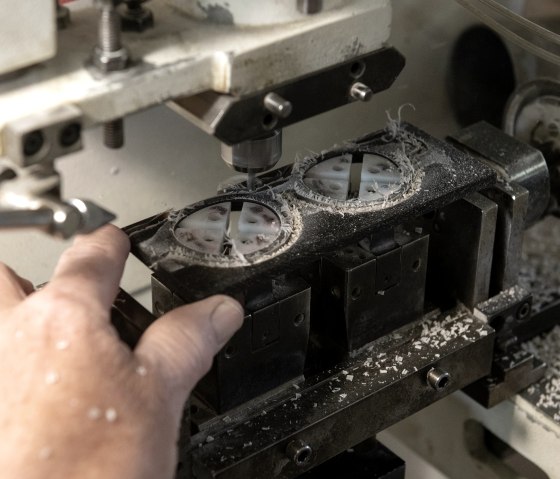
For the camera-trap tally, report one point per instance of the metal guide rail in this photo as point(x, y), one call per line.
point(381, 385)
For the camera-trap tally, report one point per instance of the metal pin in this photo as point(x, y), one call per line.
point(109, 56)
point(438, 378)
point(113, 133)
point(277, 105)
point(310, 7)
point(360, 91)
point(251, 181)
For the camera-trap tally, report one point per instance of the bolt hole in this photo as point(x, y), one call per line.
point(335, 291)
point(356, 293)
point(524, 311)
point(303, 456)
point(357, 69)
point(70, 134)
point(33, 142)
point(416, 265)
point(438, 378)
point(230, 352)
point(7, 174)
point(442, 382)
point(299, 319)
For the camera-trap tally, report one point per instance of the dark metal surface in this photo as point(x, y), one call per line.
point(363, 395)
point(513, 369)
point(461, 250)
point(511, 373)
point(233, 120)
point(516, 162)
point(358, 291)
point(369, 460)
point(367, 268)
point(130, 318)
point(441, 175)
point(273, 338)
point(512, 200)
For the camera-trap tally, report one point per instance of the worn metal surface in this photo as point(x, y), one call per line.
point(185, 56)
point(438, 175)
point(515, 161)
point(362, 296)
point(377, 387)
point(234, 119)
point(464, 231)
point(512, 200)
point(369, 460)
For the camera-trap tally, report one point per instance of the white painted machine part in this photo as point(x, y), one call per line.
point(27, 33)
point(250, 12)
point(182, 56)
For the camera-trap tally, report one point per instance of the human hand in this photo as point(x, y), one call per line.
point(75, 400)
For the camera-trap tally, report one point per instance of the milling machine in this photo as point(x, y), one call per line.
point(378, 276)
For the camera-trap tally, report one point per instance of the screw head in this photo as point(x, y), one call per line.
point(360, 92)
point(438, 378)
point(299, 452)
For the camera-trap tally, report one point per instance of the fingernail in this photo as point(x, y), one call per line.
point(226, 319)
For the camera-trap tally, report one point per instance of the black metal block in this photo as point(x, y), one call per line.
point(511, 373)
point(365, 295)
point(268, 351)
point(373, 462)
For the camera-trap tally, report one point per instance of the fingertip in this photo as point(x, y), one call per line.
point(107, 234)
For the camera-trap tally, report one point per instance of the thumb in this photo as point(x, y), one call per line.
point(180, 345)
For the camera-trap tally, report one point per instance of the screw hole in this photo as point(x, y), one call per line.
point(303, 456)
point(7, 174)
point(299, 319)
point(33, 142)
point(357, 69)
point(335, 291)
point(416, 265)
point(230, 352)
point(356, 293)
point(70, 134)
point(438, 379)
point(523, 311)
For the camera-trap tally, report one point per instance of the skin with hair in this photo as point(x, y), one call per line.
point(76, 401)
